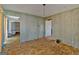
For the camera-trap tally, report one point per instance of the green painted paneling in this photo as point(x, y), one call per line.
point(31, 27)
point(66, 27)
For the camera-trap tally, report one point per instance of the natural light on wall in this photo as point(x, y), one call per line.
point(15, 17)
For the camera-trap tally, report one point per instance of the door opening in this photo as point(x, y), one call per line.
point(48, 28)
point(12, 31)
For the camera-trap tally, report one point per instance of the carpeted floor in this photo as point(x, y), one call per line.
point(13, 38)
point(42, 46)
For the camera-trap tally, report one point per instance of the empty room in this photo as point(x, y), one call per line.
point(39, 29)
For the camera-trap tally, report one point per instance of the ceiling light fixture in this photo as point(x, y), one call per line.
point(44, 12)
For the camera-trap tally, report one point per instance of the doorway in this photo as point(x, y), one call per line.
point(48, 28)
point(12, 31)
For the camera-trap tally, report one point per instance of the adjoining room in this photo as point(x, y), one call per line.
point(12, 29)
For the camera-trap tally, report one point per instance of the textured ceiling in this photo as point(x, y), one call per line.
point(37, 9)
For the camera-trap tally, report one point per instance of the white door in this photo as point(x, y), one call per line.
point(48, 27)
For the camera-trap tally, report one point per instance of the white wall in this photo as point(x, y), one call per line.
point(66, 27)
point(48, 26)
point(17, 25)
point(31, 27)
point(12, 25)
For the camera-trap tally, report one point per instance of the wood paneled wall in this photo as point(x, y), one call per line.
point(1, 28)
point(65, 27)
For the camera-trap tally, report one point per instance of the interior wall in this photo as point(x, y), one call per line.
point(0, 31)
point(1, 27)
point(12, 27)
point(65, 27)
point(48, 26)
point(17, 25)
point(31, 27)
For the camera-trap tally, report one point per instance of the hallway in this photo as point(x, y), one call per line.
point(13, 38)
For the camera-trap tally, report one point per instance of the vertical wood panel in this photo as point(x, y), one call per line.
point(66, 27)
point(0, 31)
point(1, 27)
point(5, 28)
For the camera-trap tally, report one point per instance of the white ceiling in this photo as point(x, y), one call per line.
point(37, 9)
